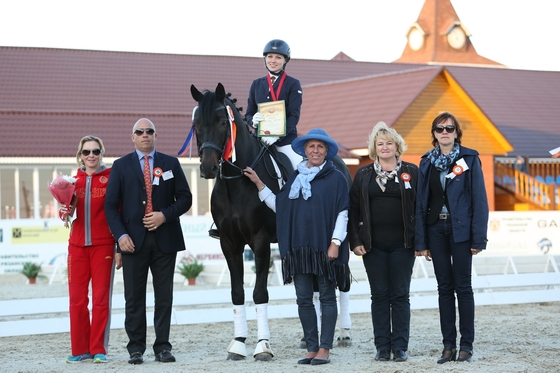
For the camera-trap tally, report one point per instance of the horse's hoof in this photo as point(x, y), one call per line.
point(264, 356)
point(263, 351)
point(344, 342)
point(302, 344)
point(235, 357)
point(236, 350)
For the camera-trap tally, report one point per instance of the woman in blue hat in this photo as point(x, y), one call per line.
point(311, 219)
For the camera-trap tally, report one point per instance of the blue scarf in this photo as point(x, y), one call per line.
point(303, 181)
point(443, 161)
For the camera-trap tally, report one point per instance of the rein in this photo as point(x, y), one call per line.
point(224, 158)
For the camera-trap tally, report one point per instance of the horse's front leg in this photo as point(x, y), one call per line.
point(263, 351)
point(234, 257)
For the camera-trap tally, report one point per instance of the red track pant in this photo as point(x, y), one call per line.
point(93, 264)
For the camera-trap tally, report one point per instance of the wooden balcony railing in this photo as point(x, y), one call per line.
point(526, 188)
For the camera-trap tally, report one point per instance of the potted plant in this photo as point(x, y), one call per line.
point(31, 271)
point(190, 268)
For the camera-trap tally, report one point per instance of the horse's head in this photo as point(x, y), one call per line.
point(212, 128)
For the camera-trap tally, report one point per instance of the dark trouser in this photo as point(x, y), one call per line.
point(453, 269)
point(329, 312)
point(389, 270)
point(135, 275)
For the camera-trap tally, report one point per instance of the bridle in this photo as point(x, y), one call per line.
point(224, 158)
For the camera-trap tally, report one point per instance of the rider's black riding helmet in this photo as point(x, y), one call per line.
point(277, 46)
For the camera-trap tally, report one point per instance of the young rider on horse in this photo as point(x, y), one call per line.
point(277, 85)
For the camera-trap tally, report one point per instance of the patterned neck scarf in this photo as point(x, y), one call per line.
point(303, 181)
point(384, 176)
point(442, 161)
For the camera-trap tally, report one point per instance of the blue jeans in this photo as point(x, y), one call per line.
point(453, 269)
point(308, 317)
point(389, 271)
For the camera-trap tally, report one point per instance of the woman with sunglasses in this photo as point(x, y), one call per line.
point(91, 257)
point(451, 227)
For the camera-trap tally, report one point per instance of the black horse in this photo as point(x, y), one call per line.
point(239, 215)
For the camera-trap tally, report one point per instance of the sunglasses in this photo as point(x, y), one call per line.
point(449, 129)
point(85, 152)
point(140, 131)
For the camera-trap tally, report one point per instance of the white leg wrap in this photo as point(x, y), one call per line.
point(317, 304)
point(263, 346)
point(240, 321)
point(344, 321)
point(262, 321)
point(236, 347)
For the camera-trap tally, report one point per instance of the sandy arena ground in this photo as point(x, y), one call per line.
point(513, 338)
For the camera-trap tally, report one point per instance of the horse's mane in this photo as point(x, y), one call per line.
point(207, 103)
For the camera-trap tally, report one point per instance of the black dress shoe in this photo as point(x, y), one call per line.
point(136, 358)
point(465, 355)
point(165, 356)
point(448, 354)
point(383, 355)
point(305, 360)
point(399, 355)
point(320, 361)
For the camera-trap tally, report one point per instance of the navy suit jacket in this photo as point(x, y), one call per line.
point(291, 94)
point(125, 202)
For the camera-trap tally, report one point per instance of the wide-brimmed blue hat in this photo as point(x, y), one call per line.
point(315, 134)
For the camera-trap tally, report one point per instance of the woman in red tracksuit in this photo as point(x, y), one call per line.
point(91, 257)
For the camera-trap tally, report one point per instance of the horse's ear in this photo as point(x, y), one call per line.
point(220, 93)
point(195, 93)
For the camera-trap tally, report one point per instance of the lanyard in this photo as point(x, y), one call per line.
point(275, 95)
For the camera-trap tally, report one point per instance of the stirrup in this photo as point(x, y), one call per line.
point(214, 232)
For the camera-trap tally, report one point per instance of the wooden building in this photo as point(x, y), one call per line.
point(50, 98)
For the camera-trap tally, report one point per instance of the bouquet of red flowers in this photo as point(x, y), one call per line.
point(62, 189)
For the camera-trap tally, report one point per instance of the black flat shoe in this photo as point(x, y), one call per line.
point(320, 361)
point(465, 355)
point(136, 358)
point(305, 360)
point(383, 355)
point(448, 354)
point(165, 357)
point(399, 355)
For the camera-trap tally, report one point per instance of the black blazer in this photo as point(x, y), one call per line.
point(125, 203)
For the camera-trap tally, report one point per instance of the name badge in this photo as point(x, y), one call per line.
point(167, 175)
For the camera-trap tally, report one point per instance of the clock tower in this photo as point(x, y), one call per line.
point(439, 37)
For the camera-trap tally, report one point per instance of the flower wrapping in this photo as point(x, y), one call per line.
point(62, 189)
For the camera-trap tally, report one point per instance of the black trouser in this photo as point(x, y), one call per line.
point(135, 275)
point(389, 271)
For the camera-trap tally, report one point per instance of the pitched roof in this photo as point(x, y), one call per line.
point(98, 92)
point(523, 104)
point(50, 98)
point(349, 109)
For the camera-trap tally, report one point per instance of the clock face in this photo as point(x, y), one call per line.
point(415, 39)
point(456, 38)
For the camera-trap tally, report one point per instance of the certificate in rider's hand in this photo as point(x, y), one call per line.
point(274, 123)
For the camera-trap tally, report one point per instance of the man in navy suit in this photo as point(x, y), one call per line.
point(147, 240)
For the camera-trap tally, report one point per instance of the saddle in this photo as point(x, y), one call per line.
point(278, 162)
